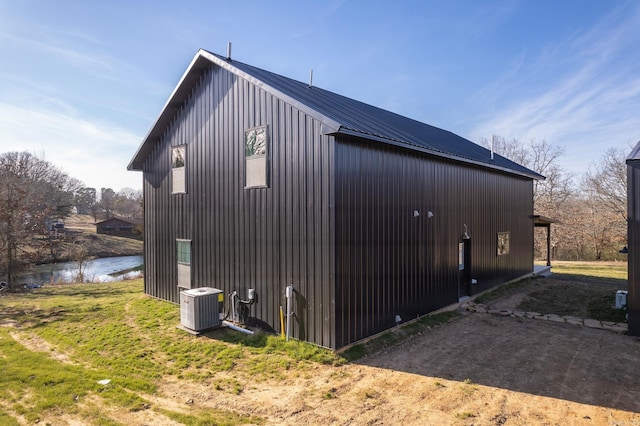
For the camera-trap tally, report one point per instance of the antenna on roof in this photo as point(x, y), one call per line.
point(311, 78)
point(229, 51)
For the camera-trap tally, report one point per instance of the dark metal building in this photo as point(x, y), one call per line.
point(633, 229)
point(256, 181)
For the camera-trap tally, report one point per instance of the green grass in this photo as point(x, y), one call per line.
point(113, 331)
point(601, 308)
point(504, 290)
point(607, 270)
point(580, 289)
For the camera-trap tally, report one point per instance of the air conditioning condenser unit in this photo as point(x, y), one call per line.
point(200, 308)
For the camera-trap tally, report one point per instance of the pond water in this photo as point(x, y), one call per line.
point(100, 270)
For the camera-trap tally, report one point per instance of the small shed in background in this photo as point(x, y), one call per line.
point(633, 236)
point(116, 226)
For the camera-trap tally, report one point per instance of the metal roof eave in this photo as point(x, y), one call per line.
point(539, 220)
point(634, 155)
point(175, 100)
point(344, 131)
point(199, 63)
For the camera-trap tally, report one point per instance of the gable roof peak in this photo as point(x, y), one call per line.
point(337, 114)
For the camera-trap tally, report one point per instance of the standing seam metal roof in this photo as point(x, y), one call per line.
point(348, 115)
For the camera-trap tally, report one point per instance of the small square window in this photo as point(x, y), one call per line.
point(183, 257)
point(503, 243)
point(177, 156)
point(256, 154)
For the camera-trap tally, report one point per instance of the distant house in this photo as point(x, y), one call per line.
point(53, 224)
point(633, 233)
point(256, 181)
point(116, 226)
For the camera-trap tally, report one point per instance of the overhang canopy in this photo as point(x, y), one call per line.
point(543, 221)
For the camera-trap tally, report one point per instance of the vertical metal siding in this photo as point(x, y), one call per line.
point(389, 262)
point(263, 238)
point(633, 229)
point(336, 221)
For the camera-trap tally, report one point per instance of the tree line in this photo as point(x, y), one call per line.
point(35, 196)
point(590, 210)
point(126, 203)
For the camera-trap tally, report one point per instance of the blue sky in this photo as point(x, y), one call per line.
point(81, 82)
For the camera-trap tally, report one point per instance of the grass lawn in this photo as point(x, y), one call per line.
point(63, 340)
point(606, 270)
point(59, 343)
point(581, 289)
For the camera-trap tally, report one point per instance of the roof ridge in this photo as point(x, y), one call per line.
point(338, 114)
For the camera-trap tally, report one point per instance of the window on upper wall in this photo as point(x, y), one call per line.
point(503, 243)
point(256, 145)
point(183, 254)
point(178, 166)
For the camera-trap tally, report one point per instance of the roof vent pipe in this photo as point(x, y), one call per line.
point(311, 78)
point(492, 137)
point(229, 51)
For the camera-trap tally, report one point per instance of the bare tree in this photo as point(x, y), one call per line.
point(32, 191)
point(128, 203)
point(551, 195)
point(542, 157)
point(606, 181)
point(81, 256)
point(512, 149)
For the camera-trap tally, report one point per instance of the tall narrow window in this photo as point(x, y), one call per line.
point(178, 164)
point(256, 146)
point(503, 243)
point(183, 251)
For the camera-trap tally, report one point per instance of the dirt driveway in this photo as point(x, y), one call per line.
point(526, 371)
point(479, 369)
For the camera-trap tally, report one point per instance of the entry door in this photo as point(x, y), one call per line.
point(464, 266)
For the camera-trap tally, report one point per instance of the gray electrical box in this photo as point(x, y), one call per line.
point(621, 299)
point(200, 308)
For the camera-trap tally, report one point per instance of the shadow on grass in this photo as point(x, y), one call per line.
point(31, 317)
point(619, 283)
point(87, 290)
point(38, 307)
point(391, 338)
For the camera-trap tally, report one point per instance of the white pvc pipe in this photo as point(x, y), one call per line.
point(236, 328)
point(233, 307)
point(289, 295)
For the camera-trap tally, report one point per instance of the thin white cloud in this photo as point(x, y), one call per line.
point(95, 153)
point(591, 103)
